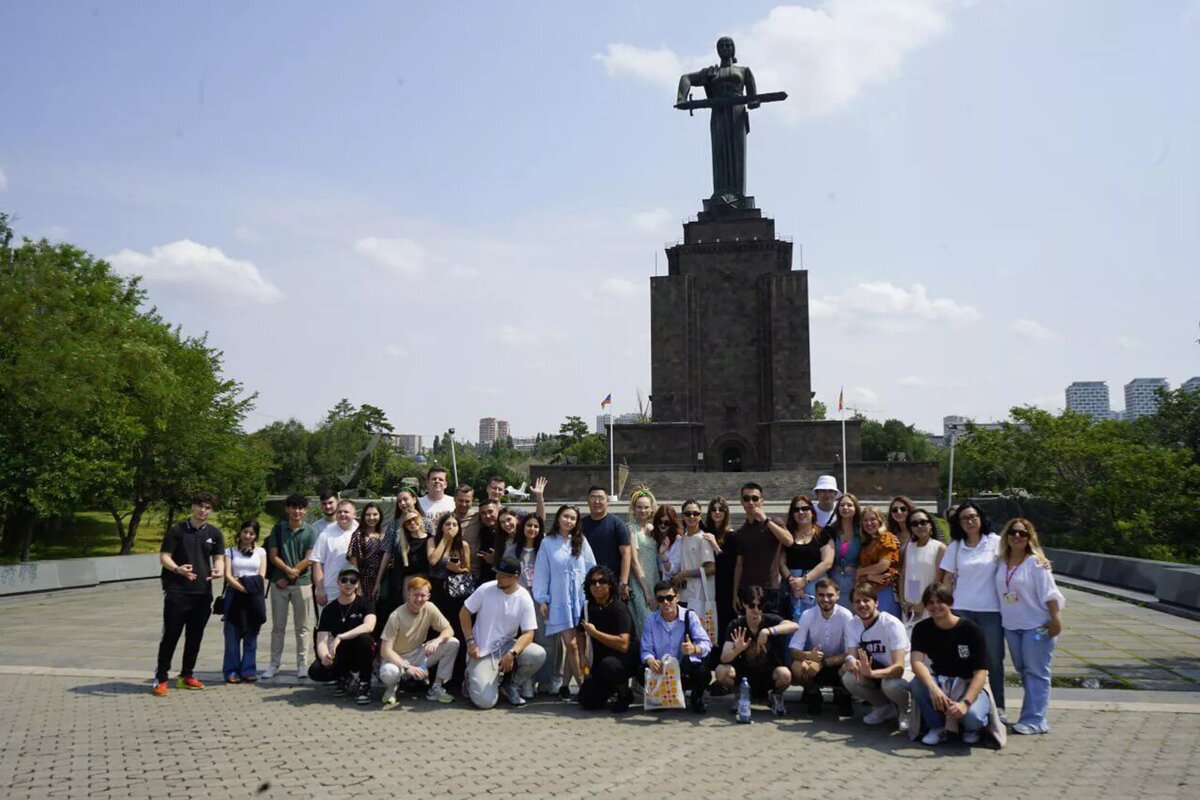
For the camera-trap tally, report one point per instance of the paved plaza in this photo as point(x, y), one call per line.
point(78, 720)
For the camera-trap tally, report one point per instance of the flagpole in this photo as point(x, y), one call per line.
point(612, 480)
point(842, 408)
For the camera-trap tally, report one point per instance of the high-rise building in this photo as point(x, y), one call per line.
point(1141, 396)
point(1191, 385)
point(409, 443)
point(620, 419)
point(524, 444)
point(955, 425)
point(1089, 397)
point(491, 429)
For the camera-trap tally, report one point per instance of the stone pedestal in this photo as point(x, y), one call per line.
point(730, 371)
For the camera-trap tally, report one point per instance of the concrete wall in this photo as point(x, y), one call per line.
point(73, 573)
point(1177, 584)
point(569, 482)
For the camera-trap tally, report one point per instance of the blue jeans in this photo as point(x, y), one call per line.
point(844, 578)
point(1032, 661)
point(888, 601)
point(993, 637)
point(241, 652)
point(799, 604)
point(975, 719)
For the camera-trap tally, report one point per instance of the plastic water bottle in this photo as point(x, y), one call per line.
point(743, 702)
point(1041, 633)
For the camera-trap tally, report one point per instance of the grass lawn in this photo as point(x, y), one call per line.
point(94, 533)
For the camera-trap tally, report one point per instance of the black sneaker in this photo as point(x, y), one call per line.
point(719, 690)
point(364, 693)
point(697, 704)
point(342, 686)
point(564, 693)
point(812, 701)
point(623, 699)
point(844, 703)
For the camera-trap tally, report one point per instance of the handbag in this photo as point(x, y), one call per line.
point(664, 690)
point(218, 608)
point(460, 584)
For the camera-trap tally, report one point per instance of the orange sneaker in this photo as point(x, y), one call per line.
point(188, 683)
point(160, 689)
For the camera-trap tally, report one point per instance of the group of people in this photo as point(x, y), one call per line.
point(457, 598)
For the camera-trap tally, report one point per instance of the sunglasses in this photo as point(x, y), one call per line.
point(348, 579)
point(1019, 532)
point(598, 582)
point(665, 598)
point(804, 509)
point(751, 498)
point(664, 523)
point(691, 513)
point(899, 510)
point(919, 523)
point(754, 605)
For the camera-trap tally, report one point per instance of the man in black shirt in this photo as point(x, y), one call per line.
point(949, 660)
point(192, 555)
point(755, 647)
point(609, 628)
point(344, 639)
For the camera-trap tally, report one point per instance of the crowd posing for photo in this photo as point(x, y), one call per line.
point(461, 599)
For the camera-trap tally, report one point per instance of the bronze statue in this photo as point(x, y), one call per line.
point(729, 91)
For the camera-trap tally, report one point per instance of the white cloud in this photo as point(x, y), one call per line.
point(862, 394)
point(824, 57)
point(882, 301)
point(912, 382)
point(395, 350)
point(1128, 343)
point(1033, 330)
point(405, 256)
point(3, 181)
point(192, 265)
point(619, 287)
point(653, 221)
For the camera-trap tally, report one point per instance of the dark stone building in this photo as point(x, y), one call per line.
point(730, 364)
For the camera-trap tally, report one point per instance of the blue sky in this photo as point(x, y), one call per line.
point(452, 210)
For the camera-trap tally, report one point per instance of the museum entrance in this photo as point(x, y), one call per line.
point(731, 459)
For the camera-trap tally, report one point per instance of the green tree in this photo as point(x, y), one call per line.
point(287, 442)
point(591, 449)
point(819, 411)
point(573, 430)
point(892, 440)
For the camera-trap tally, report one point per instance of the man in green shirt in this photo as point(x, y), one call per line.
point(288, 549)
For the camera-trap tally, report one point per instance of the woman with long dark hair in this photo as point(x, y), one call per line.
point(245, 603)
point(918, 565)
point(367, 551)
point(809, 557)
point(716, 522)
point(843, 532)
point(969, 567)
point(562, 562)
point(450, 573)
point(668, 536)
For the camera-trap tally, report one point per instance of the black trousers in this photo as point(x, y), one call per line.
point(606, 676)
point(696, 676)
point(182, 613)
point(352, 656)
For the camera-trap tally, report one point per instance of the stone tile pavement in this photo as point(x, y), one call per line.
point(77, 720)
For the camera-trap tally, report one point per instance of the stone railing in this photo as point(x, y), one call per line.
point(1171, 583)
point(75, 573)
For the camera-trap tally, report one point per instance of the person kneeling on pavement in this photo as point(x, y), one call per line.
point(754, 649)
point(608, 627)
point(950, 665)
point(679, 634)
point(818, 649)
point(406, 655)
point(344, 640)
point(876, 644)
point(501, 654)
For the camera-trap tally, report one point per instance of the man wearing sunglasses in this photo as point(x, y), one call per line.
point(344, 639)
point(758, 550)
point(670, 631)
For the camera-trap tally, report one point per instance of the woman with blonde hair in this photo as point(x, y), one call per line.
point(879, 559)
point(644, 556)
point(1031, 613)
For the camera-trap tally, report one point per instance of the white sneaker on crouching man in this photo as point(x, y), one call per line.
point(404, 651)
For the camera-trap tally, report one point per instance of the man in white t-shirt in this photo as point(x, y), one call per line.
point(876, 644)
point(329, 554)
point(826, 493)
point(819, 647)
point(435, 502)
point(500, 639)
point(329, 501)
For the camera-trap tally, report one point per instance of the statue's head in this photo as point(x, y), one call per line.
point(726, 49)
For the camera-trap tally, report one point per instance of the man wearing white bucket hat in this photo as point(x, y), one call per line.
point(827, 493)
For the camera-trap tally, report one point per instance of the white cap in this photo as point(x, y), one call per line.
point(825, 482)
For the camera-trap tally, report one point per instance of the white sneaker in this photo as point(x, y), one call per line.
point(527, 690)
point(935, 737)
point(903, 724)
point(389, 696)
point(302, 672)
point(512, 694)
point(1003, 718)
point(880, 715)
point(554, 685)
point(970, 737)
point(270, 671)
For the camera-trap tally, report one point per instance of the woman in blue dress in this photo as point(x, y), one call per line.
point(562, 563)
